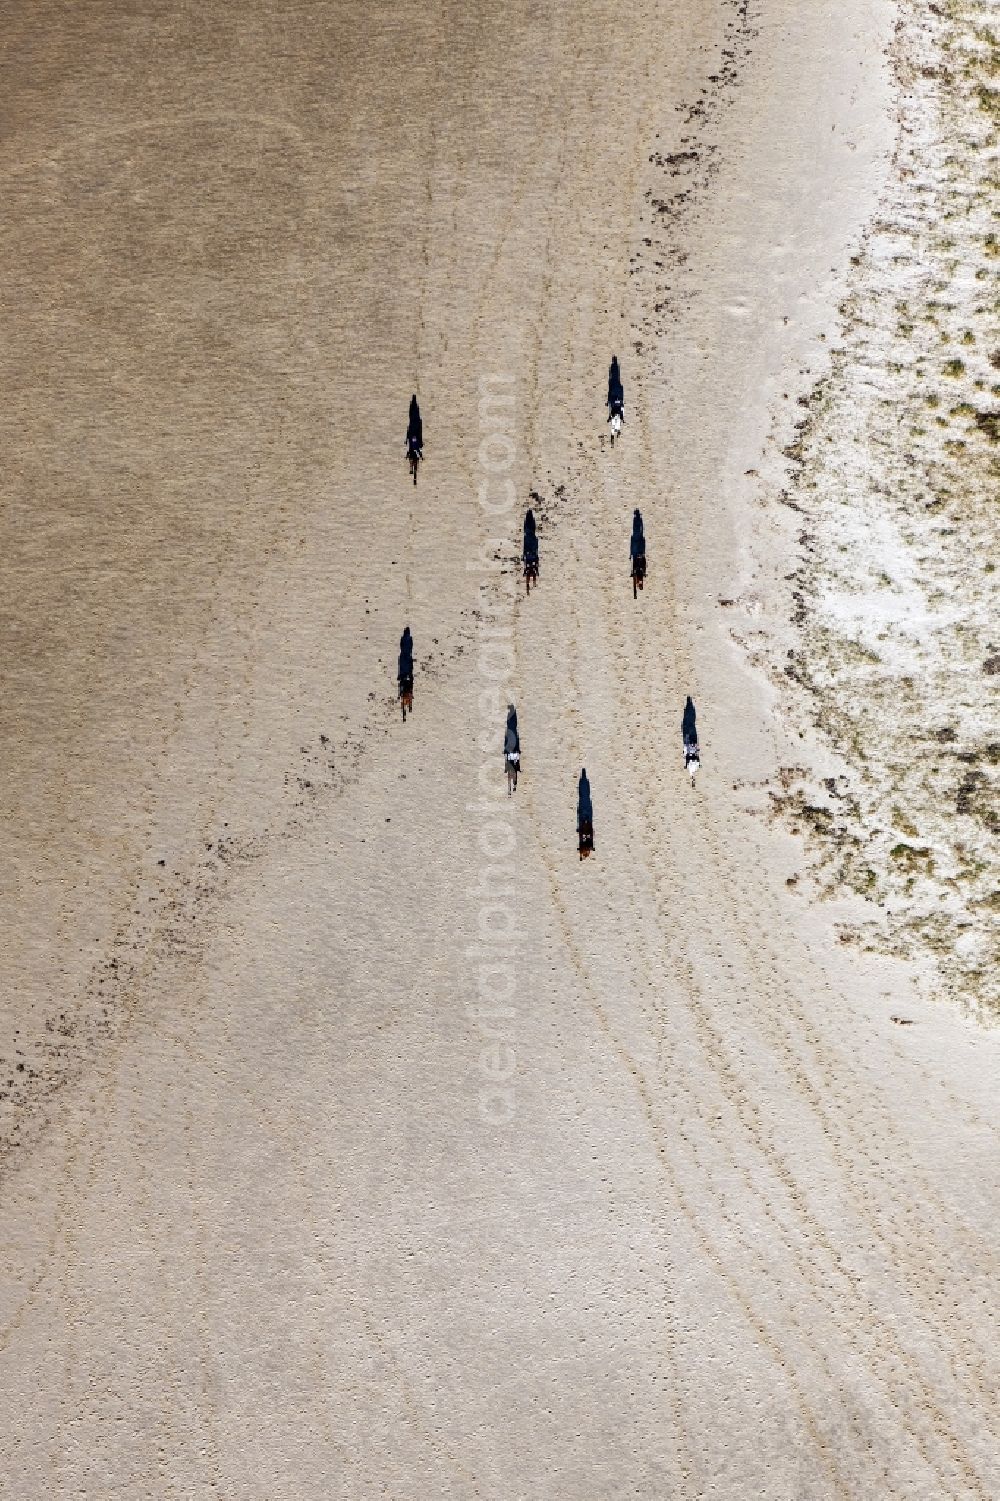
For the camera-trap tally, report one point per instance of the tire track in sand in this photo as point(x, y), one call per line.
point(717, 1056)
point(572, 588)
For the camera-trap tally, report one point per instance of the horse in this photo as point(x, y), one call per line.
point(689, 736)
point(616, 426)
point(638, 573)
point(414, 437)
point(529, 550)
point(406, 693)
point(584, 816)
point(511, 749)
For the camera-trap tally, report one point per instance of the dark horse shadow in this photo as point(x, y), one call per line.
point(511, 749)
point(414, 437)
point(584, 816)
point(637, 552)
point(529, 551)
point(689, 737)
point(404, 675)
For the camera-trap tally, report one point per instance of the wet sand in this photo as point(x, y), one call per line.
point(737, 1237)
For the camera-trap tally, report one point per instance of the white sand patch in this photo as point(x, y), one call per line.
point(897, 478)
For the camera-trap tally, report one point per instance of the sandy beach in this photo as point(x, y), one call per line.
point(357, 1138)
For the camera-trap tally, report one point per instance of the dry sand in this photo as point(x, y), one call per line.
point(261, 1238)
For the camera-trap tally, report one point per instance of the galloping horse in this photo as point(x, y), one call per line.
point(637, 551)
point(511, 749)
point(414, 438)
point(404, 675)
point(689, 736)
point(616, 399)
point(529, 552)
point(584, 816)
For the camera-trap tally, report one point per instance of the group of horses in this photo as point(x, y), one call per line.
point(529, 557)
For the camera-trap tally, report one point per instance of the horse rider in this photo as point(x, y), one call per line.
point(414, 431)
point(584, 807)
point(530, 548)
point(689, 732)
point(405, 657)
point(511, 739)
point(637, 547)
